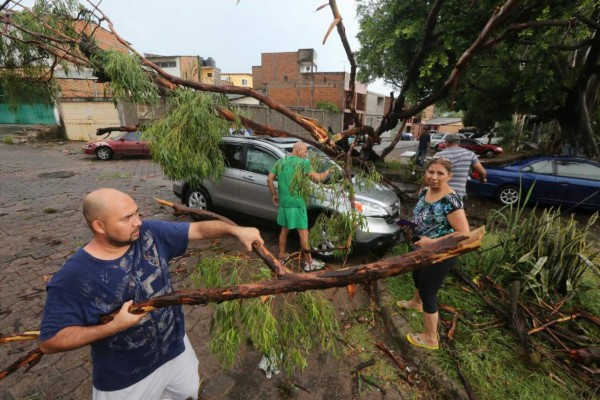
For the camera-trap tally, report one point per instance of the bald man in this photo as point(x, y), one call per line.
point(143, 356)
point(292, 213)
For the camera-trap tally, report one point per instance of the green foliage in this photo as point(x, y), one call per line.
point(327, 106)
point(486, 349)
point(7, 140)
point(114, 175)
point(128, 79)
point(540, 70)
point(15, 89)
point(547, 253)
point(25, 64)
point(185, 142)
point(286, 327)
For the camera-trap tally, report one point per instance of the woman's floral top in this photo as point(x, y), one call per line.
point(432, 218)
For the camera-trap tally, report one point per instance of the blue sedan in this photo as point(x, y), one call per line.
point(563, 181)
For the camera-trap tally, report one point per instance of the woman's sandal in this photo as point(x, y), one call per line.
point(418, 342)
point(403, 304)
point(284, 258)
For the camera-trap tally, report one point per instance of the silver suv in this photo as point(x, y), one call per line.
point(243, 188)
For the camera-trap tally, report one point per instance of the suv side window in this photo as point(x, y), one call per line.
point(233, 155)
point(259, 161)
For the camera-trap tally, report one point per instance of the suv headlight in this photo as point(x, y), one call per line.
point(369, 209)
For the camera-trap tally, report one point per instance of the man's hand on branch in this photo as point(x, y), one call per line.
point(124, 319)
point(247, 236)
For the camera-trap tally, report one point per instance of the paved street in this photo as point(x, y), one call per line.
point(42, 187)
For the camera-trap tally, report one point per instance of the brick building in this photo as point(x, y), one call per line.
point(292, 79)
point(193, 68)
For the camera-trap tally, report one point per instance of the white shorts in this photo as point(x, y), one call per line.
point(177, 379)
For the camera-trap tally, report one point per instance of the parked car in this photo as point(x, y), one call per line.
point(488, 138)
point(488, 150)
point(563, 181)
point(243, 188)
point(436, 139)
point(407, 136)
point(124, 143)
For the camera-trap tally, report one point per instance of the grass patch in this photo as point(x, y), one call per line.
point(487, 350)
point(359, 343)
point(50, 210)
point(7, 140)
point(115, 175)
point(488, 355)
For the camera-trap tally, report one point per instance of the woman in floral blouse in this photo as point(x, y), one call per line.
point(438, 212)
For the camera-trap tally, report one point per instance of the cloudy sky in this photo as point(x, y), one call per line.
point(235, 34)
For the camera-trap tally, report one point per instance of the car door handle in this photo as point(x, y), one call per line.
point(248, 177)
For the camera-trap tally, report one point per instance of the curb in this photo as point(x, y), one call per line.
point(397, 327)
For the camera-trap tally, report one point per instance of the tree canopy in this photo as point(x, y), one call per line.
point(541, 58)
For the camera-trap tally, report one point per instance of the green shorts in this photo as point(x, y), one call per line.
point(292, 217)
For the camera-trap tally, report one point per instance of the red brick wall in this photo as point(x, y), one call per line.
point(280, 78)
point(82, 88)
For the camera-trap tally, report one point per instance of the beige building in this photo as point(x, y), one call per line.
point(237, 79)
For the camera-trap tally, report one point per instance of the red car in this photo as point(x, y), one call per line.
point(488, 150)
point(124, 143)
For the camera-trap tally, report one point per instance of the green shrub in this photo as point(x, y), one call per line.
point(327, 106)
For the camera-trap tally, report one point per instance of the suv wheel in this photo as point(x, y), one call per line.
point(321, 242)
point(198, 198)
point(324, 245)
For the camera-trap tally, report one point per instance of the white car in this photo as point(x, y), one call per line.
point(490, 138)
point(436, 139)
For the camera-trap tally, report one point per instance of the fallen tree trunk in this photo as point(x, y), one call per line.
point(287, 281)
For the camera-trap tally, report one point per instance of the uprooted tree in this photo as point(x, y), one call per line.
point(62, 36)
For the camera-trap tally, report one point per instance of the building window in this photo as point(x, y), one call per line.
point(244, 82)
point(209, 74)
point(166, 64)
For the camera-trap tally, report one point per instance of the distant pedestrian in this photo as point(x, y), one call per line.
point(424, 141)
point(462, 161)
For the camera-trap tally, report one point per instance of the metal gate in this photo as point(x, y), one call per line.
point(28, 114)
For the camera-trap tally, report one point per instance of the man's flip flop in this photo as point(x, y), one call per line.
point(403, 304)
point(418, 342)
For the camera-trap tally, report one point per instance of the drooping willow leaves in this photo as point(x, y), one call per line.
point(286, 326)
point(128, 79)
point(185, 142)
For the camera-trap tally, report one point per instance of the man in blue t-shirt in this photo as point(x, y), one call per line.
point(135, 356)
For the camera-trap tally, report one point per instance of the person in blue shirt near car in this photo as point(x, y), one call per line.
point(424, 141)
point(135, 356)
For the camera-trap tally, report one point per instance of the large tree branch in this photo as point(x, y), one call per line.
point(310, 125)
point(499, 16)
point(286, 281)
point(350, 96)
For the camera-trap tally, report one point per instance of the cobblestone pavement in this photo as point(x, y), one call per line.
point(41, 190)
point(42, 187)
